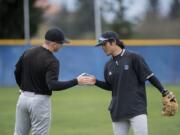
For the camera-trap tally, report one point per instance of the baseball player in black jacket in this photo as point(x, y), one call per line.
point(36, 74)
point(125, 75)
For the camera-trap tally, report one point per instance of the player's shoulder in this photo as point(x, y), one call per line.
point(52, 58)
point(52, 61)
point(133, 54)
point(32, 49)
point(28, 51)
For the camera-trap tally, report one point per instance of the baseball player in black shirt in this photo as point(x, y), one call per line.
point(36, 74)
point(125, 75)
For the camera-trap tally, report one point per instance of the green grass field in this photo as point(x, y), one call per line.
point(82, 110)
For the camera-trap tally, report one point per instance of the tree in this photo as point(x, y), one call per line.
point(85, 17)
point(154, 6)
point(120, 25)
point(153, 10)
point(12, 19)
point(156, 26)
point(175, 10)
point(78, 23)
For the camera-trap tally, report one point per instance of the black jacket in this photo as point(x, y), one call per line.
point(125, 76)
point(37, 71)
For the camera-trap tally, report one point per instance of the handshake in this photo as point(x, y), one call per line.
point(86, 79)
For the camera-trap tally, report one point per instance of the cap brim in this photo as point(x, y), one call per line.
point(102, 40)
point(100, 44)
point(66, 41)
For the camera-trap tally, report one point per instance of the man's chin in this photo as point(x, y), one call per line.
point(56, 50)
point(108, 54)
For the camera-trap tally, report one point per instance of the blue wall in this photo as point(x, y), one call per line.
point(163, 60)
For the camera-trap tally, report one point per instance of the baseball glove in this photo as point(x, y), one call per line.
point(170, 105)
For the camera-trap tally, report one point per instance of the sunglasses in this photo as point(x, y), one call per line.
point(103, 41)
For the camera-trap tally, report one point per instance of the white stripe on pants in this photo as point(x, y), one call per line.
point(138, 124)
point(33, 111)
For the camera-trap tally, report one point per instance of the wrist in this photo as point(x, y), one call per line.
point(76, 80)
point(97, 82)
point(165, 92)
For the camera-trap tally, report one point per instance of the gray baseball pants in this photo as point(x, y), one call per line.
point(138, 124)
point(33, 112)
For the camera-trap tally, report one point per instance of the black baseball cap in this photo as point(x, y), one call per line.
point(56, 35)
point(109, 36)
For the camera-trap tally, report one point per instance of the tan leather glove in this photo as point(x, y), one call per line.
point(170, 105)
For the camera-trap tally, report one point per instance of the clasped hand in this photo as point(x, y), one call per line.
point(86, 79)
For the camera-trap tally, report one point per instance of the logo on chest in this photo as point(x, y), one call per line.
point(110, 73)
point(126, 67)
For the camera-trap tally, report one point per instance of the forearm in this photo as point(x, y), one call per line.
point(61, 85)
point(156, 83)
point(103, 85)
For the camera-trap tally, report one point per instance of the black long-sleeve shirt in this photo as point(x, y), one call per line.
point(37, 71)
